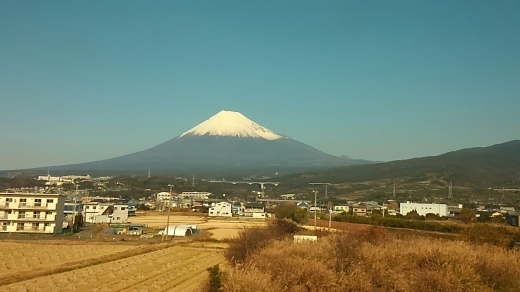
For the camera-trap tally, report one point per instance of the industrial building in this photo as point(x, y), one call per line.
point(31, 212)
point(423, 209)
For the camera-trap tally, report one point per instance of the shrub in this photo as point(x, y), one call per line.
point(253, 238)
point(292, 212)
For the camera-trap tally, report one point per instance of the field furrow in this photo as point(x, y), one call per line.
point(168, 269)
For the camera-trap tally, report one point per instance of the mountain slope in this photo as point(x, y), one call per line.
point(477, 167)
point(226, 141)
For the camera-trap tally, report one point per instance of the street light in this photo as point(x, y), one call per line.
point(169, 207)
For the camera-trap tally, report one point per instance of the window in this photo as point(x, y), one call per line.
point(123, 208)
point(115, 208)
point(88, 207)
point(23, 202)
point(21, 214)
point(50, 201)
point(118, 218)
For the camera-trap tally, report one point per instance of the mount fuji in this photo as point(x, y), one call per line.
point(228, 141)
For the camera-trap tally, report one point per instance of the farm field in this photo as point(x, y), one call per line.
point(221, 228)
point(18, 256)
point(173, 268)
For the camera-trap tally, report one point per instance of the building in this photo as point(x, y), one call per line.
point(96, 212)
point(423, 209)
point(221, 209)
point(120, 213)
point(513, 218)
point(196, 195)
point(359, 210)
point(31, 212)
point(303, 205)
point(254, 210)
point(341, 209)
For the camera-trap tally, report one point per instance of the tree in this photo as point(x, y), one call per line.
point(292, 212)
point(413, 215)
point(431, 216)
point(467, 215)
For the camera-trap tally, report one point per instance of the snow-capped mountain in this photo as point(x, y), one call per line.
point(231, 124)
point(226, 141)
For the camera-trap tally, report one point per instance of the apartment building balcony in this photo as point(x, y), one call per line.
point(29, 218)
point(3, 228)
point(30, 229)
point(27, 206)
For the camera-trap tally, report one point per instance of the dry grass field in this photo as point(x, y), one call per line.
point(369, 260)
point(221, 228)
point(18, 256)
point(170, 269)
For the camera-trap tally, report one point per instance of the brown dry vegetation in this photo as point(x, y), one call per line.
point(169, 269)
point(375, 260)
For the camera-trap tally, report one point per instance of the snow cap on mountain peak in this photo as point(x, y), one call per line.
point(233, 124)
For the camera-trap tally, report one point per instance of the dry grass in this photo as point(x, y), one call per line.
point(17, 257)
point(169, 269)
point(376, 260)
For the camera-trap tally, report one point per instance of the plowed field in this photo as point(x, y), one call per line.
point(168, 269)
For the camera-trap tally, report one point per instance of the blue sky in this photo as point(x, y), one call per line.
point(380, 80)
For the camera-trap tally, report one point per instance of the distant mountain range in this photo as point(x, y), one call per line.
point(474, 167)
point(228, 141)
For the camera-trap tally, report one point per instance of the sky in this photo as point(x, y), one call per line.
point(379, 80)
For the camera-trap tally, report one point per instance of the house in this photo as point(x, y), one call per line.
point(254, 210)
point(513, 218)
point(93, 209)
point(31, 212)
point(303, 205)
point(237, 210)
point(341, 209)
point(221, 209)
point(359, 210)
point(120, 213)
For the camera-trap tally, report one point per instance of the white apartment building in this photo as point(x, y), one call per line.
point(221, 209)
point(195, 195)
point(96, 212)
point(31, 212)
point(423, 209)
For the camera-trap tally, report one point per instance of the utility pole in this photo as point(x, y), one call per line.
point(330, 214)
point(315, 217)
point(193, 180)
point(450, 191)
point(393, 193)
point(74, 207)
point(169, 207)
point(149, 173)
